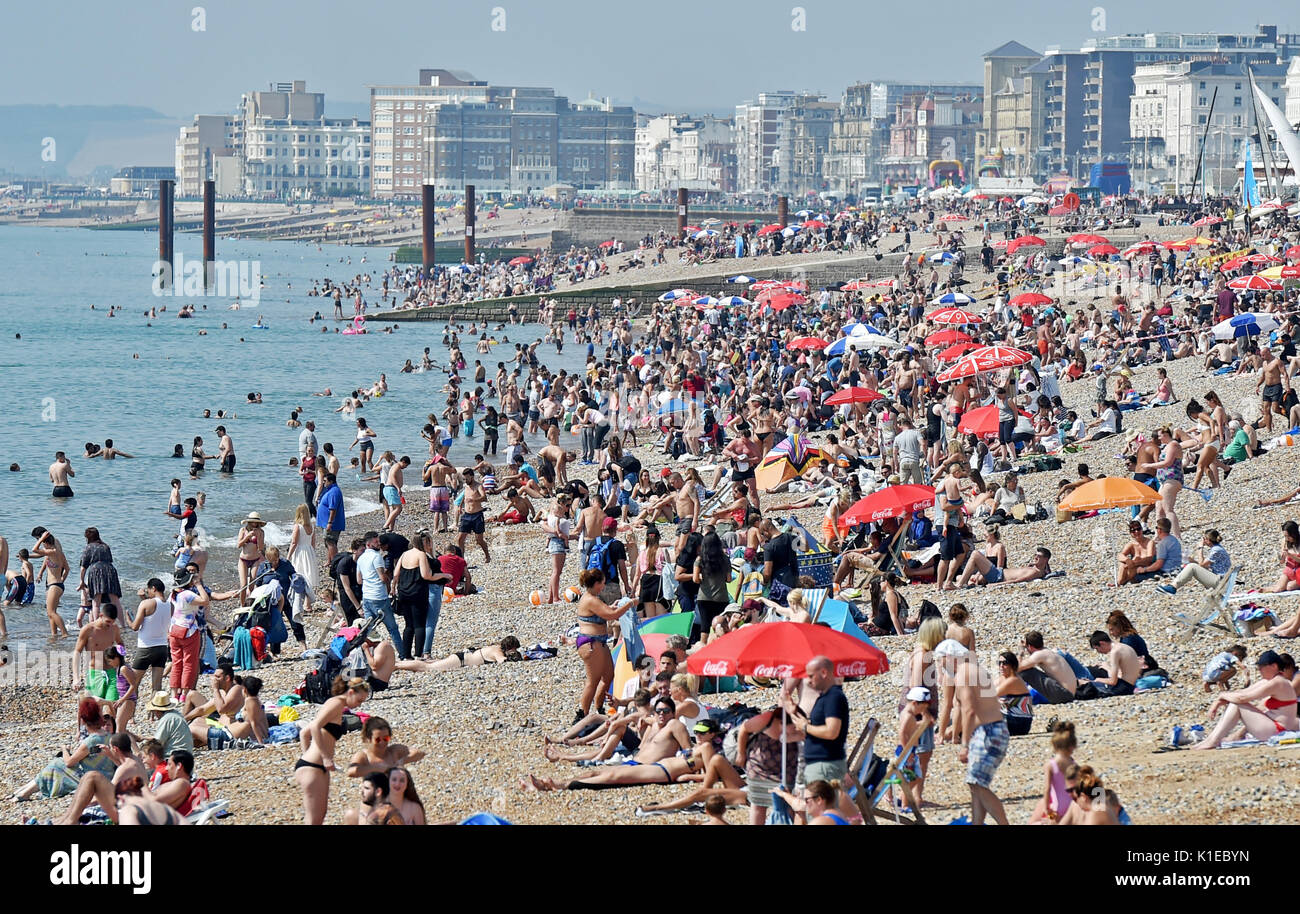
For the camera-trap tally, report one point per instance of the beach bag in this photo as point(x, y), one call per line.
point(730, 722)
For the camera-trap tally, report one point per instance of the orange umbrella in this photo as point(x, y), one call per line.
point(1109, 492)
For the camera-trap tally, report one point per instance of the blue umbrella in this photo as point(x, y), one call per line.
point(734, 301)
point(705, 233)
point(707, 300)
point(942, 257)
point(742, 278)
point(953, 298)
point(1247, 324)
point(674, 406)
point(858, 329)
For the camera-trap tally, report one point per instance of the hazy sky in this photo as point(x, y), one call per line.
point(684, 54)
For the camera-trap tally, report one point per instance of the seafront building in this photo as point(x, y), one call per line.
point(277, 145)
point(451, 129)
point(1066, 109)
point(677, 150)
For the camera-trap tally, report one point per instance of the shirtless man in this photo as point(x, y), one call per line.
point(514, 438)
point(173, 793)
point(60, 472)
point(1276, 384)
point(743, 452)
point(981, 571)
point(559, 459)
point(225, 450)
point(658, 737)
point(686, 508)
point(118, 751)
point(94, 639)
point(228, 697)
point(981, 730)
point(590, 525)
point(1121, 670)
point(55, 569)
point(438, 475)
point(1047, 672)
point(109, 452)
point(950, 501)
point(374, 808)
point(657, 761)
point(471, 518)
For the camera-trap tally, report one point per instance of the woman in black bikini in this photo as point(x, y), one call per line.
point(312, 771)
point(507, 651)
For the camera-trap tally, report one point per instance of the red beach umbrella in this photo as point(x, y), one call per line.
point(853, 395)
point(1103, 250)
point(946, 337)
point(953, 353)
point(1253, 284)
point(777, 650)
point(807, 342)
point(953, 316)
point(893, 501)
point(1031, 299)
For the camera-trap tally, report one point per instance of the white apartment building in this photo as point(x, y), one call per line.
point(758, 141)
point(678, 151)
point(1170, 116)
point(198, 145)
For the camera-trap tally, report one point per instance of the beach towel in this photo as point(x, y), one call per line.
point(241, 650)
point(283, 733)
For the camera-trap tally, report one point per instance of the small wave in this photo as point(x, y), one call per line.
point(275, 535)
point(356, 505)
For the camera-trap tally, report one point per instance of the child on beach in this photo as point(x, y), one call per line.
point(914, 717)
point(174, 500)
point(1222, 667)
point(1056, 795)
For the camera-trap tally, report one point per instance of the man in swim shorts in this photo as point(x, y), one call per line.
point(60, 472)
point(984, 743)
point(225, 450)
point(471, 518)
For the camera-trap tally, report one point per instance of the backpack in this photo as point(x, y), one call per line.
point(730, 721)
point(600, 558)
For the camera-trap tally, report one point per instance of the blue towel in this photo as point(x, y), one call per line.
point(283, 733)
point(241, 650)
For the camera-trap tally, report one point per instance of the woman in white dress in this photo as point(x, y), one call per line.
point(302, 556)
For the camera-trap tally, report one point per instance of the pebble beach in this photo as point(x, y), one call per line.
point(483, 728)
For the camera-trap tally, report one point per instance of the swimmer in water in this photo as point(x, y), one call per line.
point(109, 452)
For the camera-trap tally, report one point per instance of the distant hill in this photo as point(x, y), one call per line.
point(86, 137)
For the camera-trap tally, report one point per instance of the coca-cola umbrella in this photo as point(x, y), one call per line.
point(770, 229)
point(1103, 250)
point(520, 261)
point(782, 650)
point(892, 501)
point(955, 352)
point(1030, 299)
point(1254, 284)
point(953, 316)
point(947, 337)
point(1087, 239)
point(1293, 252)
point(986, 358)
point(853, 395)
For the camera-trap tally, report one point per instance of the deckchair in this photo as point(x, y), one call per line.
point(1215, 612)
point(860, 762)
point(893, 561)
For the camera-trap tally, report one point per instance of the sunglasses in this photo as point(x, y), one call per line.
point(663, 710)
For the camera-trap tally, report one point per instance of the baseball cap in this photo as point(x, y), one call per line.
point(951, 648)
point(1268, 657)
point(611, 523)
point(706, 726)
point(918, 693)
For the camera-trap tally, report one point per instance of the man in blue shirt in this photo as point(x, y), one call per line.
point(375, 598)
point(329, 515)
point(826, 727)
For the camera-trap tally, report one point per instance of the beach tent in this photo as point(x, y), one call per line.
point(654, 635)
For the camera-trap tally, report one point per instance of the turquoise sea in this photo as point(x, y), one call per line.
point(74, 377)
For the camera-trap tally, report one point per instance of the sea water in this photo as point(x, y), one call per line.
point(74, 377)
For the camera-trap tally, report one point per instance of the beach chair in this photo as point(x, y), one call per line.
point(1215, 612)
point(894, 561)
point(208, 813)
point(870, 792)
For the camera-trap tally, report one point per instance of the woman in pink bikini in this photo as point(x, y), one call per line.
point(1242, 707)
point(251, 544)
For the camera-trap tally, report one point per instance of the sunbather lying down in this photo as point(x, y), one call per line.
point(697, 797)
point(629, 774)
point(504, 652)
